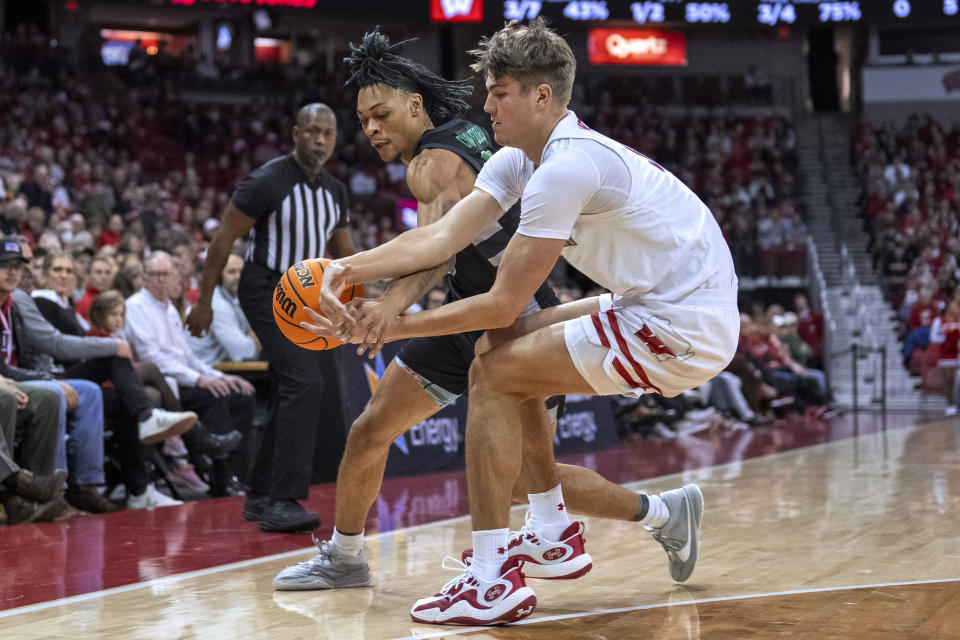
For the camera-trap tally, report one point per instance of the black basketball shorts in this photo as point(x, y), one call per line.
point(441, 364)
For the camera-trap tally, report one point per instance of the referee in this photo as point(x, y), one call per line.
point(296, 210)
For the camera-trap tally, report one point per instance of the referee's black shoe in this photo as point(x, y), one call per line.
point(287, 516)
point(253, 506)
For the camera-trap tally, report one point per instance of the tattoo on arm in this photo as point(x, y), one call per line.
point(414, 286)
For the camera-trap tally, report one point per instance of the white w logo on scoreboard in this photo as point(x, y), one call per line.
point(453, 8)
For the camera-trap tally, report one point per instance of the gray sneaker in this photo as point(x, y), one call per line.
point(680, 537)
point(329, 569)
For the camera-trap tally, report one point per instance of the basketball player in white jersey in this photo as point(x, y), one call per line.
point(670, 323)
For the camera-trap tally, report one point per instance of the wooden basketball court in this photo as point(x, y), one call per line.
point(857, 536)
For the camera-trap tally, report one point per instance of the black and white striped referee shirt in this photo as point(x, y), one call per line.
point(294, 217)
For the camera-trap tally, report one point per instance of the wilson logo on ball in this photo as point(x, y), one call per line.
point(286, 304)
point(299, 290)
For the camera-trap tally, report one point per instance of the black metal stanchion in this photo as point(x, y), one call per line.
point(883, 378)
point(856, 382)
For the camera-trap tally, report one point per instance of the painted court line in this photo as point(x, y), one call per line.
point(166, 580)
point(660, 605)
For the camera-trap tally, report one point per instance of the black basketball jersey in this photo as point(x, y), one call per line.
point(476, 265)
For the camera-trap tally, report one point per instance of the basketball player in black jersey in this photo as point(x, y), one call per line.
point(410, 113)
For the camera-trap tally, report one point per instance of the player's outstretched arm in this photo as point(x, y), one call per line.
point(410, 252)
point(435, 177)
point(539, 320)
point(525, 265)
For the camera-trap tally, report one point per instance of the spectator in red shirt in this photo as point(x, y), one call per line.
point(923, 312)
point(113, 231)
point(809, 327)
point(779, 369)
point(945, 332)
point(102, 271)
point(918, 327)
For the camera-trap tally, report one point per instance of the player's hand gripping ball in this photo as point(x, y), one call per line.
point(299, 287)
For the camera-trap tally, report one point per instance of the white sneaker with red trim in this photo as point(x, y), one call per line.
point(469, 600)
point(545, 559)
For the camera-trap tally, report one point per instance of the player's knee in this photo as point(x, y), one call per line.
point(491, 374)
point(368, 435)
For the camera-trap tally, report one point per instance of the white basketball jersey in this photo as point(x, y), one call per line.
point(631, 225)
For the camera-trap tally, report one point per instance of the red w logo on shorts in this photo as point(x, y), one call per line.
point(655, 344)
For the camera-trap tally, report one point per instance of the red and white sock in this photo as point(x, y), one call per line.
point(548, 513)
point(489, 553)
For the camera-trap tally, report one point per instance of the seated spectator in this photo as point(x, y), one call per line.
point(29, 494)
point(108, 318)
point(756, 391)
point(780, 371)
point(38, 189)
point(110, 235)
point(800, 351)
point(154, 424)
point(84, 405)
point(230, 338)
point(945, 333)
point(921, 319)
point(129, 279)
point(809, 328)
point(725, 394)
point(34, 225)
point(155, 330)
point(102, 271)
point(94, 361)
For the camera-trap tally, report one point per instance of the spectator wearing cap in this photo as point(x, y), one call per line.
point(82, 403)
point(69, 353)
point(230, 337)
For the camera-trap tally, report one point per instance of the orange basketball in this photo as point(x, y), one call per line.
point(299, 287)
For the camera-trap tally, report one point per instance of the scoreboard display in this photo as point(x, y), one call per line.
point(743, 13)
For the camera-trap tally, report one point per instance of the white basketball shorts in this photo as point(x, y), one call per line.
point(635, 347)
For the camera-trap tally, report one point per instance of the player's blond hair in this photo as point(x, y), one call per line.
point(530, 54)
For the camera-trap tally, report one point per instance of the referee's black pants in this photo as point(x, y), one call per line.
point(299, 409)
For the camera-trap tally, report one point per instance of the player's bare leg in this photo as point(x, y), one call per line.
point(585, 492)
point(502, 383)
point(399, 404)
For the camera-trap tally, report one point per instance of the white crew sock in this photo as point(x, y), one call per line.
point(348, 545)
point(489, 553)
point(548, 513)
point(657, 513)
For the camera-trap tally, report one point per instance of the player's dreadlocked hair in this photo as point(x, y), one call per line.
point(373, 62)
